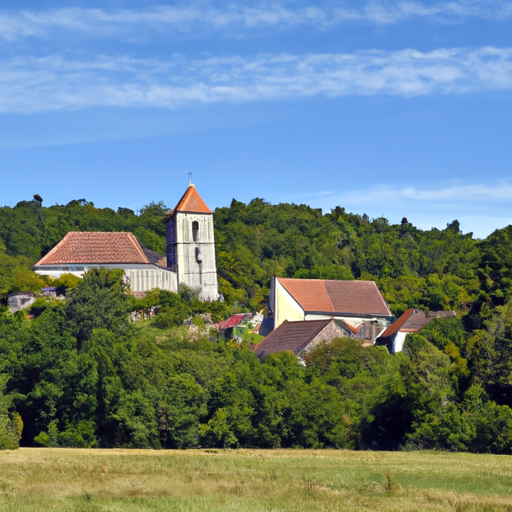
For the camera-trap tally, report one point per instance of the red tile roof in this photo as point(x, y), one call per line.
point(190, 202)
point(155, 257)
point(233, 321)
point(96, 247)
point(294, 336)
point(411, 321)
point(350, 297)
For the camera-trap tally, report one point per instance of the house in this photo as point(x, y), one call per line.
point(359, 304)
point(413, 320)
point(301, 337)
point(190, 258)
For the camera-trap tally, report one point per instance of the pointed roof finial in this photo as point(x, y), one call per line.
point(189, 179)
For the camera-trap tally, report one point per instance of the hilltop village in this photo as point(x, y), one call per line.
point(252, 325)
point(299, 313)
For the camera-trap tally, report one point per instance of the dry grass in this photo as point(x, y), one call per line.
point(252, 480)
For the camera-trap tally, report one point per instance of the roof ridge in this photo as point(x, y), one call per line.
point(397, 324)
point(49, 253)
point(328, 296)
point(136, 244)
point(381, 296)
point(96, 247)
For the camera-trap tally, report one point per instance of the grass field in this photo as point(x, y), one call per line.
point(48, 479)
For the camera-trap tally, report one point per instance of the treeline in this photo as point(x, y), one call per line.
point(414, 268)
point(79, 379)
point(76, 378)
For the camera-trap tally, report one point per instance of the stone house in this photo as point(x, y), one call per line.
point(301, 337)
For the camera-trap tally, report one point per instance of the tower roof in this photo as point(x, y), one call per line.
point(190, 202)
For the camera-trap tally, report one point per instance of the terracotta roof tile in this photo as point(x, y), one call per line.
point(96, 247)
point(233, 321)
point(190, 202)
point(155, 257)
point(411, 321)
point(293, 336)
point(350, 297)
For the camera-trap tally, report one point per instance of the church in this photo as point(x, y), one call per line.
point(190, 258)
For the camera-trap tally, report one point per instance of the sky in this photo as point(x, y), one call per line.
point(394, 109)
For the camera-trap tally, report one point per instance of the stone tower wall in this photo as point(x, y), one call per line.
point(191, 250)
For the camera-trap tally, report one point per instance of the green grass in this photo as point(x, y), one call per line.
point(252, 480)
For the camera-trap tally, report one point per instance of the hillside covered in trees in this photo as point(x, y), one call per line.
point(72, 377)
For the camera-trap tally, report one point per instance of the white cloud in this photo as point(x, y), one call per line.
point(55, 83)
point(480, 208)
point(489, 194)
point(193, 16)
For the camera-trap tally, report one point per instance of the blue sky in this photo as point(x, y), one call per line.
point(386, 108)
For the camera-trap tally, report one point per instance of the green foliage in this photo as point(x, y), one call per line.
point(10, 423)
point(66, 282)
point(174, 310)
point(79, 374)
point(25, 280)
point(98, 302)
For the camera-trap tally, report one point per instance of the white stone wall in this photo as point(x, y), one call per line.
point(143, 280)
point(194, 255)
point(140, 278)
point(398, 342)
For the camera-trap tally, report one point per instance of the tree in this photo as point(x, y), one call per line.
point(10, 424)
point(98, 302)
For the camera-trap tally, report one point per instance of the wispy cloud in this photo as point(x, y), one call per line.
point(56, 83)
point(480, 208)
point(191, 16)
point(490, 194)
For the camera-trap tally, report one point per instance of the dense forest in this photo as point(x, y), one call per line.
point(78, 372)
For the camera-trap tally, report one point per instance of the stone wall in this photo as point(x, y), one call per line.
point(20, 301)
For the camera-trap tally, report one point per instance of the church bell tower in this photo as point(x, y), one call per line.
point(191, 245)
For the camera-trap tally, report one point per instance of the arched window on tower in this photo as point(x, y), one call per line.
point(195, 230)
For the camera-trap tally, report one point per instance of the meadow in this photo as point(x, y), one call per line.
point(82, 480)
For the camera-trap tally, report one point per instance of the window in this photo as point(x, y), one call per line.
point(195, 230)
